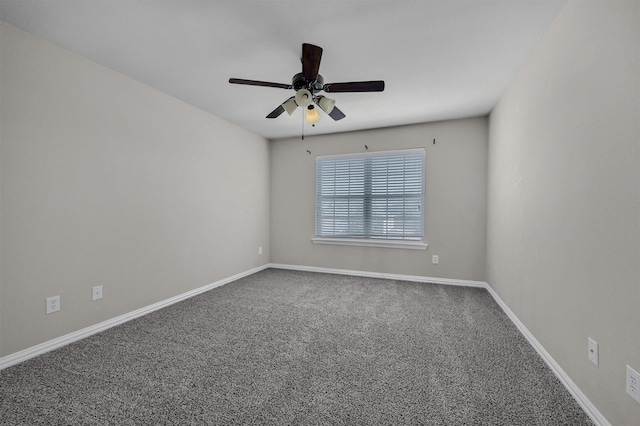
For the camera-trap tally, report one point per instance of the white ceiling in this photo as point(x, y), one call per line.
point(440, 59)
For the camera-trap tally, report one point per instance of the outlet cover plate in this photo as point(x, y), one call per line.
point(53, 304)
point(633, 383)
point(592, 351)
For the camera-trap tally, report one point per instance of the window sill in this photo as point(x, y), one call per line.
point(400, 244)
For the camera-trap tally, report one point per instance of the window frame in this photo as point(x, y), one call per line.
point(416, 243)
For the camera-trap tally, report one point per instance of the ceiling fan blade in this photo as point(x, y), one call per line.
point(336, 114)
point(260, 83)
point(355, 86)
point(276, 112)
point(311, 56)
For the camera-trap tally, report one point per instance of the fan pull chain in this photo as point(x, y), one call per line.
point(302, 126)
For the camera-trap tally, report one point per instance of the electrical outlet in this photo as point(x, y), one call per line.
point(633, 383)
point(259, 250)
point(96, 292)
point(435, 259)
point(53, 304)
point(592, 350)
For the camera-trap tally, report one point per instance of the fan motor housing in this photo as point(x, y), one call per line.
point(299, 82)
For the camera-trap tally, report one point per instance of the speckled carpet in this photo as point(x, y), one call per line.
point(286, 347)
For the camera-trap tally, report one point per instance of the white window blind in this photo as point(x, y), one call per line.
point(371, 196)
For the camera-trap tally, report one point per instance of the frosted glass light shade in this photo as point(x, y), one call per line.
point(312, 115)
point(303, 97)
point(326, 104)
point(290, 106)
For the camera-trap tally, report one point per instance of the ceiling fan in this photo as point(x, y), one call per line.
point(308, 83)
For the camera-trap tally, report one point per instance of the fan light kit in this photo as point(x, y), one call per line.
point(308, 83)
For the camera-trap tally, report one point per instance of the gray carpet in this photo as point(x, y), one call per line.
point(286, 347)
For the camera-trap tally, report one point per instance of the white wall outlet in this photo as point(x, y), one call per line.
point(96, 292)
point(592, 350)
point(259, 250)
point(633, 383)
point(435, 259)
point(53, 304)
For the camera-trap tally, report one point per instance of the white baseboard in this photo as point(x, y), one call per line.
point(23, 355)
point(573, 389)
point(413, 278)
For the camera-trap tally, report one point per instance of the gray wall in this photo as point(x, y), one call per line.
point(107, 181)
point(564, 197)
point(455, 212)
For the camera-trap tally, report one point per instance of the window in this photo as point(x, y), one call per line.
point(371, 199)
